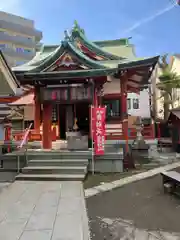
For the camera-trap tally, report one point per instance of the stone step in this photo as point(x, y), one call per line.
point(50, 177)
point(55, 170)
point(58, 162)
point(58, 155)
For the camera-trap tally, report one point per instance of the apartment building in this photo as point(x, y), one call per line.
point(158, 101)
point(18, 38)
point(139, 104)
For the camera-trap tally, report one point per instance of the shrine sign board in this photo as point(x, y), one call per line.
point(66, 94)
point(98, 129)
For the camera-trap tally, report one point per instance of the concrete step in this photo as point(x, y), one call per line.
point(55, 170)
point(59, 162)
point(50, 177)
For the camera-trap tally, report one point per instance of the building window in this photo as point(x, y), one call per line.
point(5, 32)
point(3, 46)
point(27, 50)
point(20, 63)
point(128, 103)
point(135, 103)
point(19, 50)
point(112, 108)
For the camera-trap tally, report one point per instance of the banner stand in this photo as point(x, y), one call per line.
point(92, 143)
point(98, 118)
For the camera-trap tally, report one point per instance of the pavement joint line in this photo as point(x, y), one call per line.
point(59, 198)
point(90, 192)
point(24, 228)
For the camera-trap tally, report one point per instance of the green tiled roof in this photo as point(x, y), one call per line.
point(35, 62)
point(92, 46)
point(74, 73)
point(116, 52)
point(121, 51)
point(150, 61)
point(110, 49)
point(45, 58)
point(116, 42)
point(9, 69)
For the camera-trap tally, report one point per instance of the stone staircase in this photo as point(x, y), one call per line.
point(54, 166)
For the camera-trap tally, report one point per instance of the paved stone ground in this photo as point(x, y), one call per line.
point(7, 176)
point(138, 210)
point(43, 211)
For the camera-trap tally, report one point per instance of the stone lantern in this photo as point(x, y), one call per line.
point(139, 147)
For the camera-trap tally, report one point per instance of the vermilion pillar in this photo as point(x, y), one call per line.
point(47, 133)
point(95, 100)
point(124, 113)
point(58, 117)
point(7, 132)
point(94, 104)
point(37, 110)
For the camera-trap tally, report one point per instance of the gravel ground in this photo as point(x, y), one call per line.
point(139, 210)
point(97, 179)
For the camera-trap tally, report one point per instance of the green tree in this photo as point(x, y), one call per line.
point(169, 80)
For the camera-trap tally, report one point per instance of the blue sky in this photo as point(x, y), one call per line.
point(104, 20)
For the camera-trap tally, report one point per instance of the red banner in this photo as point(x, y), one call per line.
point(98, 127)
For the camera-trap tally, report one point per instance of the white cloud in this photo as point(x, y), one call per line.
point(11, 6)
point(150, 18)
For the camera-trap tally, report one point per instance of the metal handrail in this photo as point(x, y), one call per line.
point(25, 136)
point(14, 145)
point(27, 131)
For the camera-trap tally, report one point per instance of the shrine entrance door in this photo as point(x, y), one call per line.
point(81, 110)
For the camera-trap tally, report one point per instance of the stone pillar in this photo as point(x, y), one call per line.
point(37, 110)
point(47, 134)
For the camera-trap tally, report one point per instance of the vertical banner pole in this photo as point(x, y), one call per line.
point(92, 141)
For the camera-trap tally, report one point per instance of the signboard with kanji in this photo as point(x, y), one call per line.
point(98, 127)
point(66, 94)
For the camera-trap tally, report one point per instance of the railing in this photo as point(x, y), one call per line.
point(18, 39)
point(18, 135)
point(22, 153)
point(114, 131)
point(117, 133)
point(33, 135)
point(25, 138)
point(24, 144)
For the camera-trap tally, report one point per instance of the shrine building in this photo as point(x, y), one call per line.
point(67, 79)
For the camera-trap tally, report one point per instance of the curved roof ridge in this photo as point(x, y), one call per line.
point(77, 33)
point(45, 63)
point(95, 63)
point(67, 43)
point(53, 56)
point(38, 59)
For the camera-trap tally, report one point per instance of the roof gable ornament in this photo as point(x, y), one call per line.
point(66, 35)
point(76, 27)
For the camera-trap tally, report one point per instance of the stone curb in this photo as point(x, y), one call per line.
point(118, 183)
